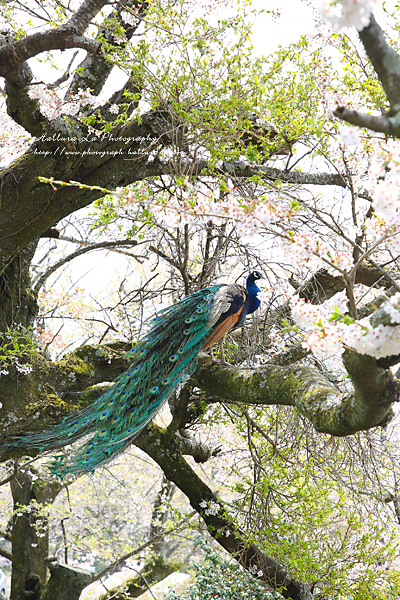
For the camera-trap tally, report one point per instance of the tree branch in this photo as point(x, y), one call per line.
point(93, 71)
point(307, 390)
point(216, 516)
point(386, 125)
point(99, 246)
point(16, 53)
point(385, 61)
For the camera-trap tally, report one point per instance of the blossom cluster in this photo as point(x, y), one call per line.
point(248, 215)
point(54, 105)
point(211, 508)
point(348, 136)
point(328, 335)
point(309, 250)
point(347, 13)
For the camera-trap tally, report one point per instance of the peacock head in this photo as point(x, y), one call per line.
point(254, 275)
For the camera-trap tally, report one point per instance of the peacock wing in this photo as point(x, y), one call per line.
point(227, 306)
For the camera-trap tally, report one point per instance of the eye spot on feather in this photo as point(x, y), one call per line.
point(186, 332)
point(173, 358)
point(181, 351)
point(154, 390)
point(189, 320)
point(103, 415)
point(166, 381)
point(103, 432)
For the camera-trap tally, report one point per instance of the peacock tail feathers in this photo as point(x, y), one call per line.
point(161, 361)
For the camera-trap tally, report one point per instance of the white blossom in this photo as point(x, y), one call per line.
point(348, 136)
point(114, 109)
point(347, 13)
point(386, 198)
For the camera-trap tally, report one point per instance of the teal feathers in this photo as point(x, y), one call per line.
point(161, 361)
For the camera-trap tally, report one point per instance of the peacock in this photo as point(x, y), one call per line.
point(160, 362)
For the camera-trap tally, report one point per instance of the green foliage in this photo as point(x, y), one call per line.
point(16, 345)
point(296, 507)
point(206, 84)
point(219, 579)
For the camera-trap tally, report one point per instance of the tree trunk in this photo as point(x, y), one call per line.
point(30, 538)
point(66, 582)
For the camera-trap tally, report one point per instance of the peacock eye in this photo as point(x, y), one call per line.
point(154, 390)
point(173, 358)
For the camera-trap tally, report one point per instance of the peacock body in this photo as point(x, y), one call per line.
point(161, 361)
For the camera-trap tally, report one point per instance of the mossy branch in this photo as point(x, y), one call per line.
point(310, 393)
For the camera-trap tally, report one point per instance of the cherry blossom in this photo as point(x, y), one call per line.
point(347, 13)
point(348, 136)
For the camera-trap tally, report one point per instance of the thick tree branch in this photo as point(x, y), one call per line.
point(385, 61)
point(54, 389)
point(93, 71)
point(240, 169)
point(20, 106)
point(63, 37)
point(189, 446)
point(386, 125)
point(68, 35)
point(307, 390)
point(81, 18)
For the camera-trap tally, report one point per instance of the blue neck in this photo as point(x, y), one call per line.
point(252, 291)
